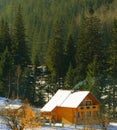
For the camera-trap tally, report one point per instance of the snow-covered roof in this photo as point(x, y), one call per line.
point(74, 100)
point(65, 98)
point(56, 100)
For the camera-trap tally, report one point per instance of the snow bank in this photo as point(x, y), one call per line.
point(2, 124)
point(13, 106)
point(3, 127)
point(113, 123)
point(3, 102)
point(16, 101)
point(112, 126)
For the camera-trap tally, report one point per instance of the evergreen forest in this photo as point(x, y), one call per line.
point(46, 45)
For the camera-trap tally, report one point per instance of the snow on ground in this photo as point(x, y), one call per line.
point(4, 102)
point(2, 124)
point(7, 103)
point(13, 106)
point(3, 127)
point(112, 126)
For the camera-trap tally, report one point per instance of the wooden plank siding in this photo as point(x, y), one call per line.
point(86, 112)
point(80, 114)
point(71, 115)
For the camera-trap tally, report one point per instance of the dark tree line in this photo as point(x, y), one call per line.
point(41, 15)
point(83, 55)
point(14, 55)
point(89, 63)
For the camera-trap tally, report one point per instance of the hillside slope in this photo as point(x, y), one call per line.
point(40, 17)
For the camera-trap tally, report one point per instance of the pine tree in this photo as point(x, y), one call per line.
point(6, 65)
point(27, 89)
point(6, 60)
point(5, 38)
point(69, 78)
point(2, 45)
point(20, 49)
point(93, 79)
point(112, 70)
point(55, 52)
point(1, 81)
point(89, 45)
point(70, 51)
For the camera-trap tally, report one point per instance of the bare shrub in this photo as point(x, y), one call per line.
point(18, 119)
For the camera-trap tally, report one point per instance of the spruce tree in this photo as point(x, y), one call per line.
point(1, 76)
point(55, 52)
point(6, 60)
point(89, 45)
point(2, 45)
point(20, 49)
point(27, 89)
point(70, 51)
point(5, 38)
point(69, 78)
point(112, 69)
point(6, 67)
point(92, 81)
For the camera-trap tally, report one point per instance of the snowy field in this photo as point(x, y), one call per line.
point(6, 102)
point(111, 126)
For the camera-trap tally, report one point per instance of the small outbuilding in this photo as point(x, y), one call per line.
point(72, 107)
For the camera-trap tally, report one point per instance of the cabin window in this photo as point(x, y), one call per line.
point(94, 106)
point(81, 108)
point(88, 107)
point(78, 114)
point(88, 102)
point(88, 114)
point(97, 113)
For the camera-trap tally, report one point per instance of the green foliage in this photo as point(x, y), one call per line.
point(21, 56)
point(6, 60)
point(92, 79)
point(5, 39)
point(69, 78)
point(113, 51)
point(89, 45)
point(27, 88)
point(1, 81)
point(70, 51)
point(33, 31)
point(40, 16)
point(112, 68)
point(55, 53)
point(6, 64)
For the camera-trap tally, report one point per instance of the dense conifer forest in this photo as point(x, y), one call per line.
point(46, 45)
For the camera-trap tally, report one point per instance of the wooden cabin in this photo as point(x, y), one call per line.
point(72, 107)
